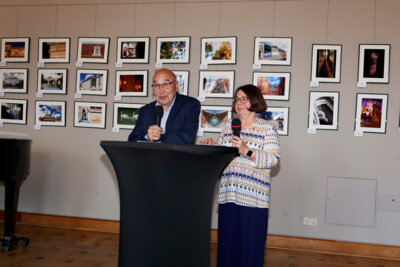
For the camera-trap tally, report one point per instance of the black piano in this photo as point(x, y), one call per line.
point(14, 169)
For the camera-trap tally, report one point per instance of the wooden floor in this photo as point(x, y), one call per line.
point(64, 247)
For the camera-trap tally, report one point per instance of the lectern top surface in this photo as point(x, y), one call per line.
point(174, 147)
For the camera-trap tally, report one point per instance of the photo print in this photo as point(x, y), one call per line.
point(272, 51)
point(323, 110)
point(212, 118)
point(373, 66)
point(133, 50)
point(90, 115)
point(14, 80)
point(54, 50)
point(278, 117)
point(216, 83)
point(326, 62)
point(91, 82)
point(126, 115)
point(14, 49)
point(173, 49)
point(183, 81)
point(273, 85)
point(131, 83)
point(50, 113)
point(93, 50)
point(218, 50)
point(13, 111)
point(52, 81)
point(371, 113)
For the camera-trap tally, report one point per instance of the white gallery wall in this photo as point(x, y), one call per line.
point(72, 176)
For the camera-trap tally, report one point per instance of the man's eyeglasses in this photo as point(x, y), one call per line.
point(242, 100)
point(159, 86)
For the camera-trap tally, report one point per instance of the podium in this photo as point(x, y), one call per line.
point(14, 165)
point(166, 194)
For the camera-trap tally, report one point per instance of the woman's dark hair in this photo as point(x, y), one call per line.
point(258, 104)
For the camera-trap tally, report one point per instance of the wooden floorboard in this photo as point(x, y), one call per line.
point(53, 247)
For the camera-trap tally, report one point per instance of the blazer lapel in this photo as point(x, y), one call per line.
point(174, 112)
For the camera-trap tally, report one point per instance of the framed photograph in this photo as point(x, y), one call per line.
point(218, 50)
point(131, 82)
point(326, 62)
point(371, 113)
point(54, 50)
point(182, 76)
point(52, 81)
point(13, 111)
point(90, 115)
point(126, 115)
point(212, 118)
point(323, 110)
point(91, 82)
point(93, 50)
point(14, 80)
point(50, 113)
point(273, 51)
point(133, 49)
point(373, 66)
point(278, 117)
point(216, 83)
point(15, 49)
point(173, 49)
point(273, 85)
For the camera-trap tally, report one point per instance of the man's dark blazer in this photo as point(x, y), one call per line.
point(181, 126)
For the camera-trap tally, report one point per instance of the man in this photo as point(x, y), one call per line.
point(180, 120)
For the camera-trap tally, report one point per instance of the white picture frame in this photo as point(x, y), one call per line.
point(218, 50)
point(182, 76)
point(124, 113)
point(273, 51)
point(326, 63)
point(374, 119)
point(374, 63)
point(50, 113)
point(212, 118)
point(173, 50)
point(54, 50)
point(13, 111)
point(90, 114)
point(133, 50)
point(273, 85)
point(278, 117)
point(91, 82)
point(218, 84)
point(15, 49)
point(131, 83)
point(93, 50)
point(323, 111)
point(14, 81)
point(52, 81)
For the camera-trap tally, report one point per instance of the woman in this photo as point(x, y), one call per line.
point(243, 194)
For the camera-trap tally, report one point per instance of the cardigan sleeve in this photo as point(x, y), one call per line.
point(269, 155)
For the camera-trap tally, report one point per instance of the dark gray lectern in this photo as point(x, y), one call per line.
point(14, 169)
point(166, 193)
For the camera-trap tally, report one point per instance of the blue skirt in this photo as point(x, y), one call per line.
point(242, 232)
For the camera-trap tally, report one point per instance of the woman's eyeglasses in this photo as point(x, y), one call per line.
point(242, 100)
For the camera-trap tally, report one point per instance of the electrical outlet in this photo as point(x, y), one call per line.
point(310, 221)
point(313, 221)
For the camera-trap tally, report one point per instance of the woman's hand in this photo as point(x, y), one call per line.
point(208, 141)
point(237, 142)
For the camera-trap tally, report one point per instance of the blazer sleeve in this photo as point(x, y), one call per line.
point(138, 133)
point(186, 124)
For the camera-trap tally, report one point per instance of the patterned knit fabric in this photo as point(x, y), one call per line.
point(245, 182)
